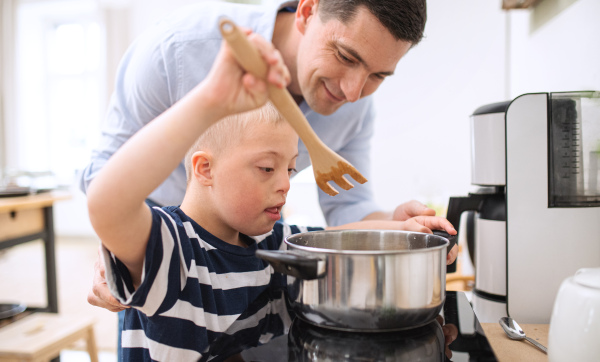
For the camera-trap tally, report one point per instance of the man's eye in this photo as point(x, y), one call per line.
point(344, 58)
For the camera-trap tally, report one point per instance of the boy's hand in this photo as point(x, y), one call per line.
point(231, 89)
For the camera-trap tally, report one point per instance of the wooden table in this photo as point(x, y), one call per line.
point(28, 218)
point(510, 350)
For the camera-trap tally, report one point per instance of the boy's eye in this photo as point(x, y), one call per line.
point(292, 171)
point(267, 169)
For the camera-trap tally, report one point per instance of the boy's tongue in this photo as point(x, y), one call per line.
point(272, 210)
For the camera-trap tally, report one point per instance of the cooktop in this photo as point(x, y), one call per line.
point(305, 342)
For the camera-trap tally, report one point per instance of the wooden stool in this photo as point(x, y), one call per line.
point(41, 336)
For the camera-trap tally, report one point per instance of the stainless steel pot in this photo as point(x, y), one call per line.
point(364, 280)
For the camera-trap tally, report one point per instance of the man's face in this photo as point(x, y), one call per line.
point(339, 63)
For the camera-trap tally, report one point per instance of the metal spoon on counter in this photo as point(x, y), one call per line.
point(514, 331)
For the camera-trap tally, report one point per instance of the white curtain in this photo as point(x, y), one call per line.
point(7, 46)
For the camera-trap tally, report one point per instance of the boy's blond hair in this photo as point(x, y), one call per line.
point(231, 130)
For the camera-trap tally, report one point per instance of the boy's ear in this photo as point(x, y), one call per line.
point(202, 167)
point(305, 12)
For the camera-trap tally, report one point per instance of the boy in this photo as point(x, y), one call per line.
point(186, 282)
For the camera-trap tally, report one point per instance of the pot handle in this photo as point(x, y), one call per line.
point(451, 238)
point(294, 264)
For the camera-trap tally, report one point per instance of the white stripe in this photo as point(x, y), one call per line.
point(287, 231)
point(158, 289)
point(276, 307)
point(262, 237)
point(303, 229)
point(191, 233)
point(228, 281)
point(110, 277)
point(158, 351)
point(265, 338)
point(213, 322)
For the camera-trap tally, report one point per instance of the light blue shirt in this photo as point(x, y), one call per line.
point(171, 58)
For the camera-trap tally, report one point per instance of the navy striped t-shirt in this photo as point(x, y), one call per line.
point(194, 287)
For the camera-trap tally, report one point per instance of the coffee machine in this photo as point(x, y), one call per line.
point(534, 218)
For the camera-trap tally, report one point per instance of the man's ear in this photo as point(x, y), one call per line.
point(202, 167)
point(306, 10)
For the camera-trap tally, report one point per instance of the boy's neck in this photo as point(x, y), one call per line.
point(210, 222)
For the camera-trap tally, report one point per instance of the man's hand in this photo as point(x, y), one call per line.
point(425, 224)
point(452, 255)
point(411, 209)
point(402, 212)
point(100, 296)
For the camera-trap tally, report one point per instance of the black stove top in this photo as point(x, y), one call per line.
point(306, 342)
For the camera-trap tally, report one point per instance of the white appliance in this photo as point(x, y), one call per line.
point(536, 213)
point(575, 324)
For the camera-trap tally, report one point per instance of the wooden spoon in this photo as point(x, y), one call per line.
point(327, 165)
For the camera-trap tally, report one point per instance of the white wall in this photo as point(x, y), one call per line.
point(421, 147)
point(556, 53)
point(474, 53)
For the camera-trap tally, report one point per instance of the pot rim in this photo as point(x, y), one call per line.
point(313, 249)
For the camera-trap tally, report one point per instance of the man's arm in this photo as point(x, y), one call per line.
point(349, 132)
point(402, 212)
point(421, 224)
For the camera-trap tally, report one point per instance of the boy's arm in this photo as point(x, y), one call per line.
point(116, 196)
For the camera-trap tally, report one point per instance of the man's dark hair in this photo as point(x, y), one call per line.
point(405, 19)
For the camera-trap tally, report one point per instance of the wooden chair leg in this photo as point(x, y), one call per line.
point(91, 345)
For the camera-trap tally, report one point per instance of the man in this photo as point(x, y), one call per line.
point(338, 53)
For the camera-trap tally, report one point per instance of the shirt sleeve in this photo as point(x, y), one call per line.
point(358, 202)
point(163, 262)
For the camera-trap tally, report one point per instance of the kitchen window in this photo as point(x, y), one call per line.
point(58, 88)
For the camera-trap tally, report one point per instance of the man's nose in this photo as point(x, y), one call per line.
point(353, 84)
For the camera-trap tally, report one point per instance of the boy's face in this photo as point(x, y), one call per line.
point(252, 178)
point(339, 63)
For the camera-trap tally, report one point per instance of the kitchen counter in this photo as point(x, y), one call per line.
point(510, 350)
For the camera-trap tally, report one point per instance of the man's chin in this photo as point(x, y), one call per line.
point(324, 108)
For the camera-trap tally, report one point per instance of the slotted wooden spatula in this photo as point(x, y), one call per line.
point(327, 165)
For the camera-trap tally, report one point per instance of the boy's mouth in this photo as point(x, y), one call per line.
point(274, 212)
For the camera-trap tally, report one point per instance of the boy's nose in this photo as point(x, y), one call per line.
point(283, 183)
